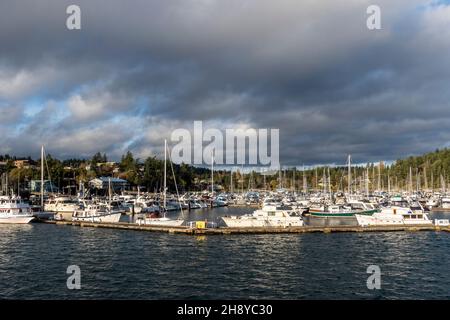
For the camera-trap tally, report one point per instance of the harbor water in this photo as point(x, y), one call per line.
point(123, 264)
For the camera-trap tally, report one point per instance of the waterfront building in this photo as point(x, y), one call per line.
point(103, 183)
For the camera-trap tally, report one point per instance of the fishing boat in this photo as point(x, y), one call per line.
point(268, 216)
point(14, 210)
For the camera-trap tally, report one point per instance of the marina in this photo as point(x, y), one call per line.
point(128, 264)
point(284, 210)
point(285, 242)
point(231, 156)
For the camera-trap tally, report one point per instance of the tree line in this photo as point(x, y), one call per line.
point(428, 171)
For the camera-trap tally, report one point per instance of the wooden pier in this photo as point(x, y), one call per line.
point(262, 230)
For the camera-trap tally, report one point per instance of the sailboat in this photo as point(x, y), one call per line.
point(163, 221)
point(42, 214)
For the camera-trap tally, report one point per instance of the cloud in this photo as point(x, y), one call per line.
point(139, 69)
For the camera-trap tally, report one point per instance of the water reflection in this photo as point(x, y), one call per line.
point(124, 264)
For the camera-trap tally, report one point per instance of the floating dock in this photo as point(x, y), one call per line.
point(259, 230)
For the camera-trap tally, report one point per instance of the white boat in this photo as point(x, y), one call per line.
point(221, 201)
point(268, 216)
point(154, 219)
point(96, 213)
point(143, 205)
point(203, 204)
point(445, 202)
point(395, 215)
point(163, 221)
point(432, 203)
point(63, 207)
point(194, 204)
point(14, 210)
point(442, 222)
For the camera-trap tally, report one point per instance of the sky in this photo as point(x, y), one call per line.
point(137, 70)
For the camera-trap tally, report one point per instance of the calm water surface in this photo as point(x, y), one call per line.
point(120, 264)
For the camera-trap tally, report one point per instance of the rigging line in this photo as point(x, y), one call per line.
point(48, 171)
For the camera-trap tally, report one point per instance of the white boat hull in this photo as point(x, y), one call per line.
point(16, 220)
point(162, 222)
point(365, 221)
point(237, 222)
point(109, 218)
point(250, 222)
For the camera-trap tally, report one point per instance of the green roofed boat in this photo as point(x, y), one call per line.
point(338, 215)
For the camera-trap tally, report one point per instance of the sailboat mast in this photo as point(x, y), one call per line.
point(367, 181)
point(264, 177)
point(349, 175)
point(305, 183)
point(42, 177)
point(109, 192)
point(281, 181)
point(389, 183)
point(212, 173)
point(410, 180)
point(329, 185)
point(242, 179)
point(165, 174)
point(324, 181)
point(231, 181)
point(316, 180)
point(379, 176)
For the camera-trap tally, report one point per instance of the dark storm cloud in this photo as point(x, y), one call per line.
point(138, 69)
